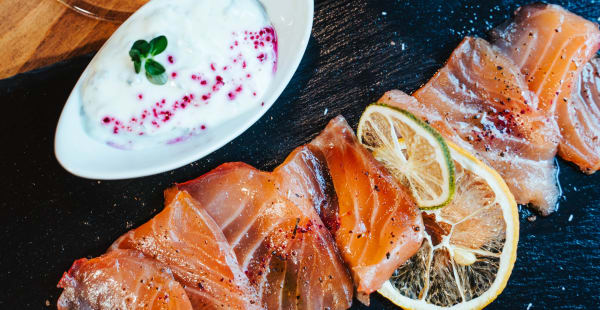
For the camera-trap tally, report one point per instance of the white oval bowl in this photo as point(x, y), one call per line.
point(86, 157)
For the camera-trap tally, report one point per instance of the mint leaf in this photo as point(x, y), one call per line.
point(153, 68)
point(158, 45)
point(158, 79)
point(155, 72)
point(142, 47)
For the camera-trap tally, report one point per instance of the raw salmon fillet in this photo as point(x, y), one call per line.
point(376, 225)
point(122, 279)
point(549, 45)
point(579, 120)
point(187, 240)
point(278, 238)
point(480, 101)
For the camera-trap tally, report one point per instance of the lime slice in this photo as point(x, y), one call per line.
point(470, 245)
point(414, 152)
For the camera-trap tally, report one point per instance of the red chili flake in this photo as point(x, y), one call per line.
point(174, 74)
point(203, 82)
point(212, 67)
point(202, 127)
point(106, 120)
point(140, 96)
point(171, 59)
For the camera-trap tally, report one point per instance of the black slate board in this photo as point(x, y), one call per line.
point(358, 50)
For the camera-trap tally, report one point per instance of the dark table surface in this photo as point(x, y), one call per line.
point(358, 50)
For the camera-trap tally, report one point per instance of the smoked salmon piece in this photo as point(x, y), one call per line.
point(187, 240)
point(279, 240)
point(376, 225)
point(122, 279)
point(480, 101)
point(579, 120)
point(549, 45)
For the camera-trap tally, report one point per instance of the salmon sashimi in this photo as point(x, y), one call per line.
point(579, 120)
point(549, 45)
point(480, 101)
point(376, 225)
point(122, 279)
point(186, 239)
point(278, 238)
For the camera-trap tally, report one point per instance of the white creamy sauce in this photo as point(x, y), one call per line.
point(220, 59)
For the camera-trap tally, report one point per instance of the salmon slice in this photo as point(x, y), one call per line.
point(579, 120)
point(122, 279)
point(376, 225)
point(276, 234)
point(549, 45)
point(185, 238)
point(480, 101)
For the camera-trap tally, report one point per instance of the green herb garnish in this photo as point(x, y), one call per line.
point(142, 52)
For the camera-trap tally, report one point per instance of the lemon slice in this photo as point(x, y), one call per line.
point(412, 151)
point(470, 245)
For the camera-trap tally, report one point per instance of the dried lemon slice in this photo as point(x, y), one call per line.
point(412, 151)
point(470, 245)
